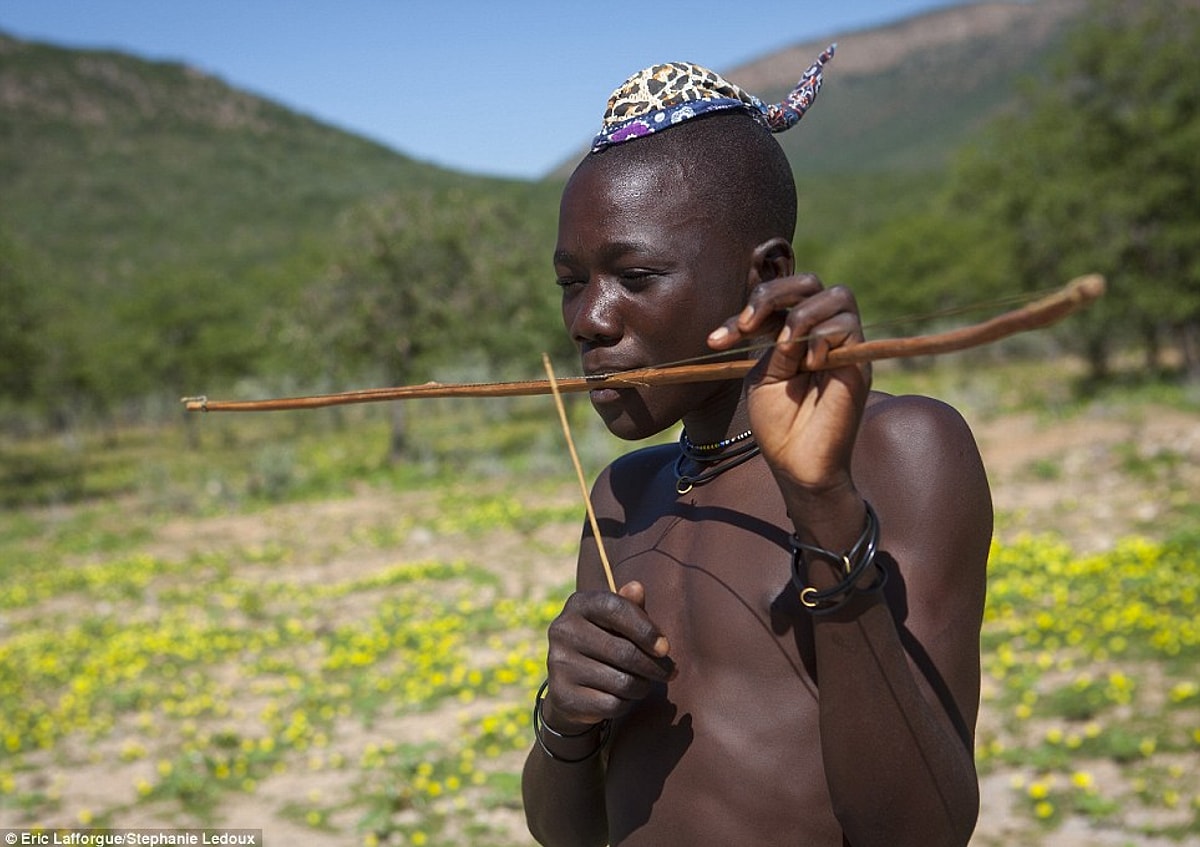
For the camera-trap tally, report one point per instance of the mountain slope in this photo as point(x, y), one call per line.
point(905, 96)
point(113, 166)
point(157, 203)
point(157, 212)
point(113, 162)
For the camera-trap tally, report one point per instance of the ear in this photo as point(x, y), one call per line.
point(772, 259)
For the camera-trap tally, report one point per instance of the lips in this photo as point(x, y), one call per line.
point(598, 370)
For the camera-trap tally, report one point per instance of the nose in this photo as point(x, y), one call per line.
point(591, 312)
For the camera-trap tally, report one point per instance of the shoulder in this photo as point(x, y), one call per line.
point(628, 477)
point(644, 461)
point(917, 458)
point(899, 428)
point(914, 409)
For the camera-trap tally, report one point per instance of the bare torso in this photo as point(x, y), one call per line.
point(701, 752)
point(735, 747)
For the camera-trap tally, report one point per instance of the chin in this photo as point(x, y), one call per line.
point(630, 422)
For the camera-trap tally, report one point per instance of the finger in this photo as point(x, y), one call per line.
point(813, 328)
point(580, 704)
point(764, 309)
point(635, 592)
point(614, 630)
point(767, 300)
point(639, 628)
point(588, 687)
point(830, 334)
point(729, 333)
point(592, 680)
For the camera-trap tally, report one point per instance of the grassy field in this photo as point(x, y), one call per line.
point(274, 629)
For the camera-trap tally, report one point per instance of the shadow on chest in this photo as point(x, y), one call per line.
point(717, 568)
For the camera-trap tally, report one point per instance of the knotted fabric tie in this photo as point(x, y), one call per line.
point(663, 96)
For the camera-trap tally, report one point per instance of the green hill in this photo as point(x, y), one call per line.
point(150, 210)
point(112, 160)
point(146, 201)
point(903, 97)
point(898, 101)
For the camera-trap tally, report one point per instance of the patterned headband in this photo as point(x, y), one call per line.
point(663, 96)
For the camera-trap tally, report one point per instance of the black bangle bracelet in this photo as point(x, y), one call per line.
point(540, 726)
point(854, 564)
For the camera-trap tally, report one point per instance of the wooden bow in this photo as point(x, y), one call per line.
point(1040, 313)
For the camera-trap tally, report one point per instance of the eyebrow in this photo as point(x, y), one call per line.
point(609, 252)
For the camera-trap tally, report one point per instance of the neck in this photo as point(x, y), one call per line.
point(723, 416)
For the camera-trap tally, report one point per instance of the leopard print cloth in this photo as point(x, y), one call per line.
point(665, 95)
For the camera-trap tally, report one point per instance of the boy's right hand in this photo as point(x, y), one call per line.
point(605, 655)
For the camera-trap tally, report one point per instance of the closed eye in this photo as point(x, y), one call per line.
point(635, 279)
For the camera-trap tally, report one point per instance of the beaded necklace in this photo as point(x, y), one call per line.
point(713, 459)
point(689, 446)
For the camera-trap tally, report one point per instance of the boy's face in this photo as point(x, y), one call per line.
point(647, 271)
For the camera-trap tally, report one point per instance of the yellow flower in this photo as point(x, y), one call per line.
point(1184, 691)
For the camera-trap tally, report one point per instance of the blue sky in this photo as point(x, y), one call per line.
point(501, 88)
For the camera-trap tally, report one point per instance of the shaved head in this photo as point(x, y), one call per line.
point(731, 163)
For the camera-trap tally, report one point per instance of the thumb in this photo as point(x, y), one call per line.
point(634, 592)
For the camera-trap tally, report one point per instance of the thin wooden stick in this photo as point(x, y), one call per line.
point(1035, 315)
point(583, 487)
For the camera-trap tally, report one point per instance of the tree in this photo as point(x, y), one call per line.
point(1098, 172)
point(192, 329)
point(20, 326)
point(921, 264)
point(428, 277)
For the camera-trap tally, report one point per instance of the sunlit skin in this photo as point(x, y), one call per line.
point(739, 717)
point(649, 293)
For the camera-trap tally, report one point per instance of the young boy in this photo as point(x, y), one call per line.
point(792, 656)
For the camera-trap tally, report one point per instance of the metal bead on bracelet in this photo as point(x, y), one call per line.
point(541, 729)
point(854, 564)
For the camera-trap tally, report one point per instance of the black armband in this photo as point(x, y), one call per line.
point(853, 563)
point(541, 729)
